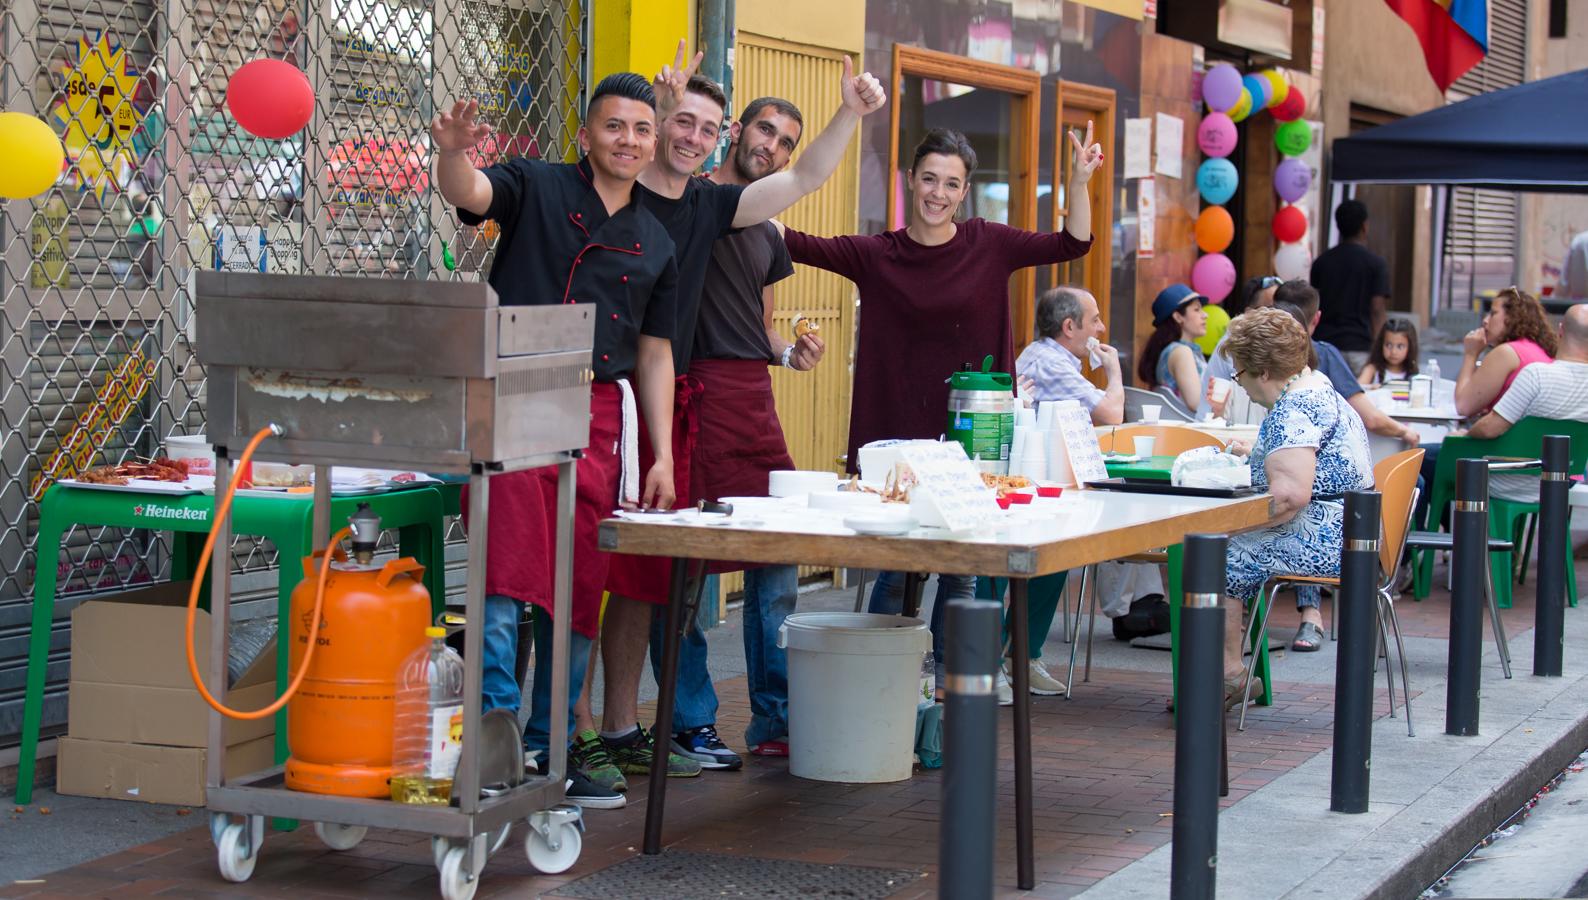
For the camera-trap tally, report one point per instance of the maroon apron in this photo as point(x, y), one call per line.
point(740, 441)
point(649, 578)
point(521, 544)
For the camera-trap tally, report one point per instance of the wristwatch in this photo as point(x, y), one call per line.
point(788, 357)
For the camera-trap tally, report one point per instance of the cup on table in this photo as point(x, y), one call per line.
point(1221, 389)
point(1145, 446)
point(1151, 413)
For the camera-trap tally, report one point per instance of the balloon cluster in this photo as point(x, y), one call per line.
point(1232, 98)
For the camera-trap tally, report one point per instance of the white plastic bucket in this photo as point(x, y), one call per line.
point(853, 683)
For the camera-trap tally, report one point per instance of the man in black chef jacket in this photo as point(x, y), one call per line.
point(696, 212)
point(573, 233)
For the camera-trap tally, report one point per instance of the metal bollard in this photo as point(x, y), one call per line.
point(1199, 715)
point(972, 637)
point(1469, 527)
point(1554, 540)
point(1358, 636)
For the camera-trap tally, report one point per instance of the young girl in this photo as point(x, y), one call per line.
point(1394, 354)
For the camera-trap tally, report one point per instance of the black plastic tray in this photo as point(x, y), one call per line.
point(1154, 486)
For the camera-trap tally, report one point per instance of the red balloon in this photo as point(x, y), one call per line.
point(1290, 224)
point(1291, 108)
point(270, 98)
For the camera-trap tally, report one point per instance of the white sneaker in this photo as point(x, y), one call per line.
point(1040, 681)
point(1006, 694)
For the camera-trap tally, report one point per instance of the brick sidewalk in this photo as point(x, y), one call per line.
point(1103, 766)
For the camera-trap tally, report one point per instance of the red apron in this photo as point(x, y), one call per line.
point(649, 578)
point(521, 545)
point(740, 440)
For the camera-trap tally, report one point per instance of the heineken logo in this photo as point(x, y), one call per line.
point(170, 513)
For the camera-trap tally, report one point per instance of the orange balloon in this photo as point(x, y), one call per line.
point(1215, 229)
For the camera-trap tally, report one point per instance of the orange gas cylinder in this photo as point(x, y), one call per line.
point(339, 725)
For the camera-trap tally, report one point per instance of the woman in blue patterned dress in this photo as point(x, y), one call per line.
point(1311, 448)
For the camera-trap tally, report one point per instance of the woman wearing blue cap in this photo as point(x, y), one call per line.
point(1172, 360)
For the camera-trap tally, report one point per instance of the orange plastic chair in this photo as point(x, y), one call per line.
point(1395, 478)
point(1173, 440)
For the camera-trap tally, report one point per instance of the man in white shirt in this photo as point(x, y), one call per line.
point(1574, 270)
point(1557, 390)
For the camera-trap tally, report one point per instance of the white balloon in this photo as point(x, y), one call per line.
point(1292, 261)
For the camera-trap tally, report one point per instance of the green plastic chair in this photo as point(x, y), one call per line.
point(1524, 439)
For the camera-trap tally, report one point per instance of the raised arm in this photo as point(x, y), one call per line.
point(1477, 387)
point(452, 134)
point(771, 195)
point(1088, 156)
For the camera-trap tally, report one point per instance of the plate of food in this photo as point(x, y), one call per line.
point(155, 476)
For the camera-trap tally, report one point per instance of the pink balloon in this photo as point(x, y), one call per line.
point(1213, 276)
point(1292, 179)
point(1216, 135)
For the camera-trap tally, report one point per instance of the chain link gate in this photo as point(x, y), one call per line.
point(96, 304)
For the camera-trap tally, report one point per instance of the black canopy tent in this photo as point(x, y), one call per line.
point(1532, 137)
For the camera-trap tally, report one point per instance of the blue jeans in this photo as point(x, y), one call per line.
point(887, 598)
point(769, 596)
point(498, 683)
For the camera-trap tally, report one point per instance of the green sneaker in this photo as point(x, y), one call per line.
point(589, 755)
point(633, 755)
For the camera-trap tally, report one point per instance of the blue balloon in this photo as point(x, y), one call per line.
point(1217, 180)
point(1262, 91)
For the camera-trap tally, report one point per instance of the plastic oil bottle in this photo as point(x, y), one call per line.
point(428, 732)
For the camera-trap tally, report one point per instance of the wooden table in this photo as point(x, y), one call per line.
point(1051, 535)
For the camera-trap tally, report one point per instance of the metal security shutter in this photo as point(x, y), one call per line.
point(1480, 228)
point(97, 272)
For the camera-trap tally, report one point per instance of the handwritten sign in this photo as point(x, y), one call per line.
point(1074, 458)
point(948, 492)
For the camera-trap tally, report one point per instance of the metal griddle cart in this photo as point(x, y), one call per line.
point(426, 375)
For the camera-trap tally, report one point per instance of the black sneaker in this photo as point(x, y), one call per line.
point(581, 791)
point(704, 746)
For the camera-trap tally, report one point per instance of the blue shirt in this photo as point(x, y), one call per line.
point(1165, 375)
point(1057, 373)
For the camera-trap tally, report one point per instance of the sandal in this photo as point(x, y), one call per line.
point(1309, 638)
point(1232, 693)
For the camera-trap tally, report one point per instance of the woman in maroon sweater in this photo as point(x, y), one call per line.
point(935, 294)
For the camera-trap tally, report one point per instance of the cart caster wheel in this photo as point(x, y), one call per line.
point(339, 837)
point(438, 851)
point(499, 839)
point(236, 860)
point(554, 860)
point(457, 883)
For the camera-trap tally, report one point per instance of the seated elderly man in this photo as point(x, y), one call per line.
point(1311, 449)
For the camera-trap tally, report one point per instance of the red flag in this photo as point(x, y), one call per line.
point(1454, 34)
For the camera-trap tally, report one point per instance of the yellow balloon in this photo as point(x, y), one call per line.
point(1279, 87)
point(1242, 107)
point(33, 156)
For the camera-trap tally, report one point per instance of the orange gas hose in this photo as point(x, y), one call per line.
point(223, 508)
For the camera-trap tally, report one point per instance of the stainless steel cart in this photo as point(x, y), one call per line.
point(386, 373)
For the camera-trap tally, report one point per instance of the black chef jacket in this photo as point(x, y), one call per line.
point(558, 245)
point(701, 215)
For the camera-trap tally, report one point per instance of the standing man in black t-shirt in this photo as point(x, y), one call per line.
point(696, 212)
point(1353, 282)
point(573, 233)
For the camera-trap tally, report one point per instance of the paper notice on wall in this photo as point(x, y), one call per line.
point(1138, 148)
point(1146, 217)
point(948, 491)
point(1171, 145)
point(1317, 39)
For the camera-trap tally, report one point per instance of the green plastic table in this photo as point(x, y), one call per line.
point(288, 521)
point(1157, 468)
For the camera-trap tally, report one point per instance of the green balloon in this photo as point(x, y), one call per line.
point(1293, 138)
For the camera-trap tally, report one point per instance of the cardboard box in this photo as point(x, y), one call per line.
point(146, 772)
point(130, 680)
